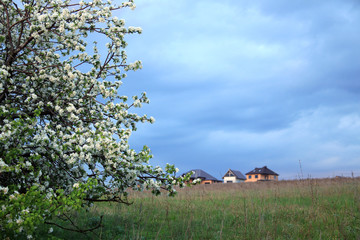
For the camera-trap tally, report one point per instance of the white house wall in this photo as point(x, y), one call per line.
point(233, 179)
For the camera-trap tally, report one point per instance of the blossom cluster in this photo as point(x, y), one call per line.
point(64, 129)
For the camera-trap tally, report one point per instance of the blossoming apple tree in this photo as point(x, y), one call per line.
point(64, 128)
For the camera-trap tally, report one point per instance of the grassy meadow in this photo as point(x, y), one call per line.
point(303, 209)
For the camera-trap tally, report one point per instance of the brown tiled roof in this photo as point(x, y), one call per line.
point(264, 171)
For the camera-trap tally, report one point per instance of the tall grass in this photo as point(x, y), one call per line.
point(303, 209)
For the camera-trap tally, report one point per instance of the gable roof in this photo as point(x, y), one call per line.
point(237, 174)
point(264, 171)
point(198, 173)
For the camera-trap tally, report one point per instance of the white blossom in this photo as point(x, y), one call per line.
point(4, 189)
point(62, 112)
point(19, 221)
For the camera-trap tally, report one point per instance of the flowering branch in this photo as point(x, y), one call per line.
point(64, 129)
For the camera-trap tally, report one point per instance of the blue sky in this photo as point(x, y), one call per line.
point(242, 84)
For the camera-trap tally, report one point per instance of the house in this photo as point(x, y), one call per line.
point(339, 177)
point(261, 174)
point(233, 176)
point(204, 176)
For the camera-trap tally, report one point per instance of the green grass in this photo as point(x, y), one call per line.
point(307, 209)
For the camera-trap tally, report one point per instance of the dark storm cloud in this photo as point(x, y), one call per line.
point(242, 84)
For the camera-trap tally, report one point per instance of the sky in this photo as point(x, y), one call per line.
point(249, 83)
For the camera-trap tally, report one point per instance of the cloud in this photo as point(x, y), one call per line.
point(249, 83)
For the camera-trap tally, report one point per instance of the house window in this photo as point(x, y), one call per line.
point(274, 177)
point(249, 176)
point(229, 182)
point(256, 176)
point(207, 183)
